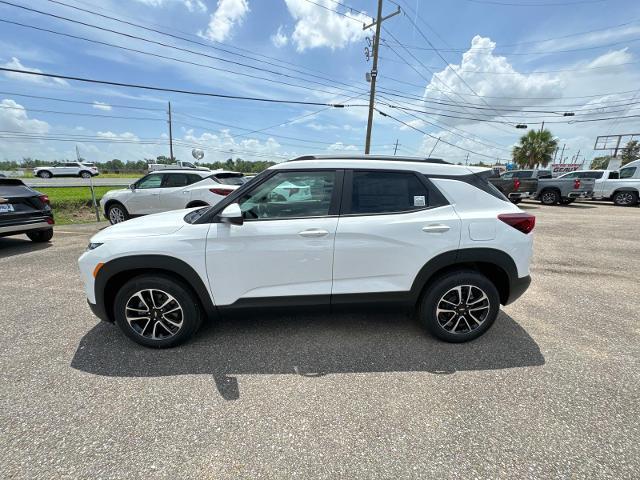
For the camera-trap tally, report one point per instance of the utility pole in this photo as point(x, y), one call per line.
point(374, 70)
point(466, 160)
point(396, 148)
point(93, 192)
point(170, 135)
point(542, 127)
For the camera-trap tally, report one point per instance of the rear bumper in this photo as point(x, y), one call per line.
point(24, 225)
point(517, 288)
point(580, 194)
point(520, 195)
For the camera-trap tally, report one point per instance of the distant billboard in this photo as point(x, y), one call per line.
point(560, 168)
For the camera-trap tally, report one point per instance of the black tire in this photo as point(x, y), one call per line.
point(41, 236)
point(85, 174)
point(442, 292)
point(516, 201)
point(141, 331)
point(116, 213)
point(549, 197)
point(45, 174)
point(567, 201)
point(625, 199)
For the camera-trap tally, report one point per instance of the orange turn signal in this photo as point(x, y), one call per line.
point(97, 269)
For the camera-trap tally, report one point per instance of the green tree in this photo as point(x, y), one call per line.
point(600, 163)
point(536, 147)
point(630, 152)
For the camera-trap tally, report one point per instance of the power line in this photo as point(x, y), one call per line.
point(98, 115)
point(188, 62)
point(94, 104)
point(172, 90)
point(166, 33)
point(549, 4)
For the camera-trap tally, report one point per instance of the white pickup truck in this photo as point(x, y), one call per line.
point(621, 186)
point(180, 164)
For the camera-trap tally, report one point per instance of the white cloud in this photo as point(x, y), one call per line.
point(14, 118)
point(15, 63)
point(119, 136)
point(320, 27)
point(101, 106)
point(341, 147)
point(459, 80)
point(228, 14)
point(279, 39)
point(612, 58)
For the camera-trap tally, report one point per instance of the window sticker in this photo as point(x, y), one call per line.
point(419, 201)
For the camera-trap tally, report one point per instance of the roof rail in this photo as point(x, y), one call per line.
point(385, 158)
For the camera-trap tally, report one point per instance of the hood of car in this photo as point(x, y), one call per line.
point(150, 225)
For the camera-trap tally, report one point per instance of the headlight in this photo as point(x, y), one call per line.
point(93, 246)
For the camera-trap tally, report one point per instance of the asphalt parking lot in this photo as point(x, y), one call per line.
point(551, 391)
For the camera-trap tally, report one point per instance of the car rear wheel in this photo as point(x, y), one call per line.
point(459, 306)
point(44, 174)
point(515, 201)
point(41, 236)
point(549, 197)
point(157, 311)
point(116, 213)
point(625, 199)
point(85, 174)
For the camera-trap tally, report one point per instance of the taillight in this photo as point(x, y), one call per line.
point(44, 199)
point(520, 221)
point(220, 191)
point(516, 183)
point(576, 184)
point(50, 221)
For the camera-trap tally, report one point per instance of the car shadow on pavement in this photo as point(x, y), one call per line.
point(17, 246)
point(310, 345)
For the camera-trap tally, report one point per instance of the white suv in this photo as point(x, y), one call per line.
point(69, 169)
point(165, 190)
point(372, 230)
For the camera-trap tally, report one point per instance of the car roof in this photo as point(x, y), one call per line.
point(202, 173)
point(379, 162)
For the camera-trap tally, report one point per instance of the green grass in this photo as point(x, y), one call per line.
point(73, 204)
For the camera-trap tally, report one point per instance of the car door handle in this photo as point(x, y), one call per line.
point(313, 233)
point(436, 228)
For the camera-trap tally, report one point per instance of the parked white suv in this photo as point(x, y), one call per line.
point(169, 190)
point(418, 233)
point(68, 169)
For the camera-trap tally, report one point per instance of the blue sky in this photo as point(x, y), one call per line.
point(470, 93)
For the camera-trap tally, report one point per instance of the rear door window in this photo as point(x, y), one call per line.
point(627, 172)
point(374, 192)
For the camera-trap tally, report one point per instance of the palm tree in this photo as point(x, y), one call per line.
point(536, 147)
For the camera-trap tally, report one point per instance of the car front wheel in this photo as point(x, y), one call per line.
point(85, 174)
point(157, 311)
point(116, 213)
point(41, 236)
point(459, 306)
point(45, 174)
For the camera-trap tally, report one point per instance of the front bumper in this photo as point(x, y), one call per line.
point(99, 312)
point(517, 288)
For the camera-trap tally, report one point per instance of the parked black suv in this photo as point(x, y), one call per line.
point(24, 210)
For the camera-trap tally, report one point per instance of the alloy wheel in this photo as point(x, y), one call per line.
point(154, 314)
point(624, 198)
point(116, 215)
point(548, 198)
point(463, 309)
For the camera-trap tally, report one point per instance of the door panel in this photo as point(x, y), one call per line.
point(273, 258)
point(285, 246)
point(145, 198)
point(384, 253)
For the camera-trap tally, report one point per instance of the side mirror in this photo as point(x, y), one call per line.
point(232, 215)
point(132, 187)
